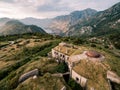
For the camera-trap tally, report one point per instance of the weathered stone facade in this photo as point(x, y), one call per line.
point(59, 56)
point(78, 78)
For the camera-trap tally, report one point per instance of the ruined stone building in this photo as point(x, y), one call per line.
point(86, 66)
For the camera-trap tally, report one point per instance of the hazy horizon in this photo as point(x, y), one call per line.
point(19, 9)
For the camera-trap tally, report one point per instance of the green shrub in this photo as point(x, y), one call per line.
point(106, 46)
point(62, 67)
point(4, 72)
point(74, 85)
point(93, 45)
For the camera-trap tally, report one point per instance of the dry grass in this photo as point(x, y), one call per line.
point(46, 82)
point(70, 50)
point(94, 72)
point(4, 43)
point(3, 64)
point(11, 50)
point(80, 50)
point(63, 49)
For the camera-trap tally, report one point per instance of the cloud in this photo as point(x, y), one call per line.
point(48, 8)
point(53, 7)
point(95, 4)
point(9, 1)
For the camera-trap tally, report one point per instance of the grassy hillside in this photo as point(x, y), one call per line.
point(15, 27)
point(22, 53)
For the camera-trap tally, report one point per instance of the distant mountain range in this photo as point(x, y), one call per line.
point(84, 23)
point(11, 27)
point(79, 23)
point(61, 24)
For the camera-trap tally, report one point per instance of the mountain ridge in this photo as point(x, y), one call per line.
point(59, 24)
point(86, 22)
point(16, 27)
point(102, 23)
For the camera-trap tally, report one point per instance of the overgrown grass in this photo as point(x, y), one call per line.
point(27, 55)
point(41, 50)
point(3, 44)
point(74, 85)
point(43, 64)
point(46, 82)
point(5, 71)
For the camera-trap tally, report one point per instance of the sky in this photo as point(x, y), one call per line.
point(19, 9)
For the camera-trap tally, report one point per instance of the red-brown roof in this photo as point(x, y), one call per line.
point(93, 54)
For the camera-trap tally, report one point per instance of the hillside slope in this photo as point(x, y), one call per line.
point(20, 54)
point(16, 27)
point(102, 23)
point(3, 21)
point(29, 52)
point(61, 24)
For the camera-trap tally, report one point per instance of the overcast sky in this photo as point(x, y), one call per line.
point(49, 8)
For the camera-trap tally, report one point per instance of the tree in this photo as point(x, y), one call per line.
point(62, 67)
point(74, 85)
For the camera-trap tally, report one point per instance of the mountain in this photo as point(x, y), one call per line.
point(16, 27)
point(35, 21)
point(79, 23)
point(39, 22)
point(102, 23)
point(60, 24)
point(83, 23)
point(3, 21)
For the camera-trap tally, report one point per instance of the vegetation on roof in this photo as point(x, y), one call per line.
point(94, 72)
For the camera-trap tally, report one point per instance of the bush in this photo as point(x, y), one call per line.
point(93, 45)
point(74, 85)
point(62, 68)
point(4, 72)
point(106, 46)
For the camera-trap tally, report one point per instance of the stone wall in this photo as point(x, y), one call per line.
point(63, 88)
point(110, 87)
point(59, 55)
point(29, 74)
point(113, 77)
point(53, 53)
point(79, 79)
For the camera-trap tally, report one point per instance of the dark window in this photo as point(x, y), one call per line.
point(77, 79)
point(55, 53)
